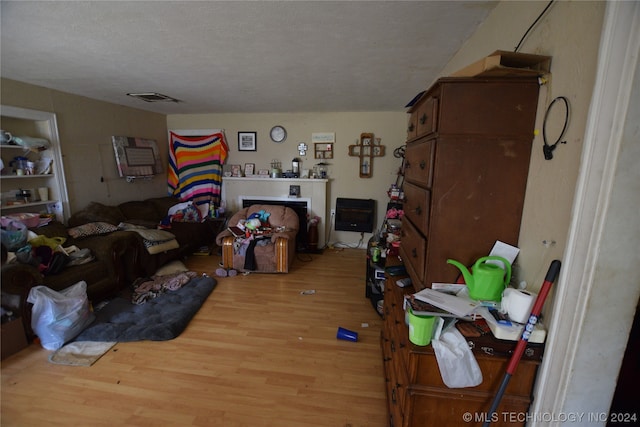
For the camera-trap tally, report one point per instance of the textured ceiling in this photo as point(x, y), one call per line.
point(237, 56)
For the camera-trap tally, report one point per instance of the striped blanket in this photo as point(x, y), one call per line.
point(195, 167)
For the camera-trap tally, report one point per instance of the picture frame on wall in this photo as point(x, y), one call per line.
point(247, 141)
point(249, 169)
point(294, 191)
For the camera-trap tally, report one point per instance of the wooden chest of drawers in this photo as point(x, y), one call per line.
point(466, 166)
point(416, 395)
point(465, 172)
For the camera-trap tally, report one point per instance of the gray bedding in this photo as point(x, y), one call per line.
point(159, 319)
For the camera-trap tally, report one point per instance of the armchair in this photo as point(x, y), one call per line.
point(276, 255)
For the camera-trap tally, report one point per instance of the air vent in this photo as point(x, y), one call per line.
point(153, 97)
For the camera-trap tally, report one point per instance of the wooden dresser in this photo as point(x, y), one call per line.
point(467, 160)
point(416, 395)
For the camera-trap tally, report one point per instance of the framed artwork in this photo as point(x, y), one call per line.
point(236, 171)
point(294, 191)
point(246, 141)
point(136, 156)
point(249, 168)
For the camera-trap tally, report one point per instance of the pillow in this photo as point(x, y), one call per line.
point(91, 229)
point(140, 210)
point(173, 267)
point(96, 212)
point(156, 247)
point(188, 214)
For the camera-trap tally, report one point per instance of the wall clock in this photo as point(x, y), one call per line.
point(278, 133)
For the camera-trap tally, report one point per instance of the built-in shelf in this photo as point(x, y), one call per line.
point(48, 175)
point(22, 122)
point(28, 205)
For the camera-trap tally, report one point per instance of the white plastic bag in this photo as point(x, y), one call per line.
point(57, 317)
point(458, 366)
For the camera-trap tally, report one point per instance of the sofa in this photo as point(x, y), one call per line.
point(150, 213)
point(105, 275)
point(274, 254)
point(121, 256)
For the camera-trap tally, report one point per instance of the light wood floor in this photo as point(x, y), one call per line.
point(258, 353)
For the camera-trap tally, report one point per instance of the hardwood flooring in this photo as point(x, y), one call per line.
point(258, 353)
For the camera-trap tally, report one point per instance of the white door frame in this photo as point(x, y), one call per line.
point(563, 368)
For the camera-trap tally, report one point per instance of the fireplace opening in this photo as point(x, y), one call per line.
point(299, 207)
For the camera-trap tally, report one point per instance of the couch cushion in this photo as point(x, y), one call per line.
point(140, 210)
point(97, 212)
point(91, 229)
point(162, 204)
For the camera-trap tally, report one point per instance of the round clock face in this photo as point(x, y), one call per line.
point(278, 134)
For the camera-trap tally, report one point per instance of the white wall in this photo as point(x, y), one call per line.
point(582, 199)
point(344, 180)
point(85, 127)
point(569, 33)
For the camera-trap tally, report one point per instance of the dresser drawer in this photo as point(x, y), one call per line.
point(461, 408)
point(427, 115)
point(419, 162)
point(412, 126)
point(416, 206)
point(423, 370)
point(412, 249)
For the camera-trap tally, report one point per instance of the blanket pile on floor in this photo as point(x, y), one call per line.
point(158, 319)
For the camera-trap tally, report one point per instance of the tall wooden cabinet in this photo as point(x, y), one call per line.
point(467, 161)
point(466, 166)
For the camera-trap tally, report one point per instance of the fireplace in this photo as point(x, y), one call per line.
point(313, 195)
point(300, 207)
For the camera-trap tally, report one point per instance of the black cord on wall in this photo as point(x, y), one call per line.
point(547, 148)
point(533, 25)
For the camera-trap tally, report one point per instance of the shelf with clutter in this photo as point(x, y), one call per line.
point(31, 170)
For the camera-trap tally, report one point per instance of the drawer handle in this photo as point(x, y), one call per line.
point(410, 128)
point(423, 165)
point(418, 210)
point(423, 119)
point(414, 253)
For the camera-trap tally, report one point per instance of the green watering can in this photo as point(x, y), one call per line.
point(488, 280)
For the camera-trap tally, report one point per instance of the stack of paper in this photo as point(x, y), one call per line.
point(459, 306)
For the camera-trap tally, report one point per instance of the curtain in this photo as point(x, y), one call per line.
point(195, 167)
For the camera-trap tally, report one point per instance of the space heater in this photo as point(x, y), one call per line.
point(355, 214)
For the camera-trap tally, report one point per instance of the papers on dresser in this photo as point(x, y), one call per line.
point(457, 305)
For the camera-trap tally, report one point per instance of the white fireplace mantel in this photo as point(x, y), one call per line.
point(312, 191)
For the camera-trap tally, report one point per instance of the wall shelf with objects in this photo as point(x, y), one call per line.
point(323, 150)
point(32, 177)
point(365, 149)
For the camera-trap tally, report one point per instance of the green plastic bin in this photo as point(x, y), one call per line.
point(420, 328)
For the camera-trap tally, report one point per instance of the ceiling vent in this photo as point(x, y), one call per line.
point(153, 97)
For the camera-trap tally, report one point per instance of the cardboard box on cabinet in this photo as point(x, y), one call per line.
point(502, 63)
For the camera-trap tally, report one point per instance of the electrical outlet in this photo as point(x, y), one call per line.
point(333, 212)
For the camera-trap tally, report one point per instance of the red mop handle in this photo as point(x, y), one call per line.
point(552, 273)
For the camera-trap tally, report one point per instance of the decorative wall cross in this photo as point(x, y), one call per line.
point(366, 148)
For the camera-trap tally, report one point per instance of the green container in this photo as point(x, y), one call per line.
point(420, 328)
